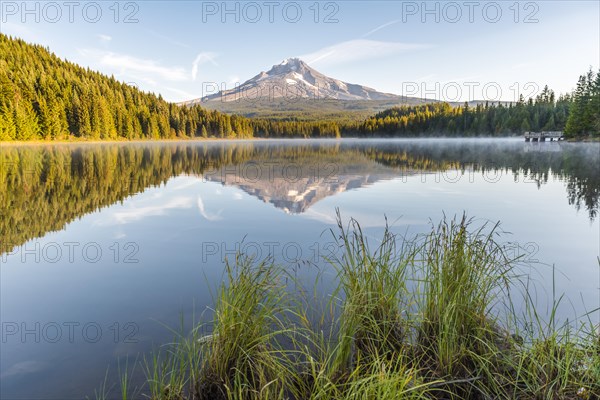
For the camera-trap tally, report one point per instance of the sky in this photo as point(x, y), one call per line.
point(452, 51)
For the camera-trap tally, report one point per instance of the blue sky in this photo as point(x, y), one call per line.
point(453, 51)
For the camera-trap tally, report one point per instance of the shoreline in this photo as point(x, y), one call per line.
point(13, 143)
point(116, 141)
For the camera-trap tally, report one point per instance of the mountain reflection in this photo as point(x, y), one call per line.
point(295, 185)
point(42, 188)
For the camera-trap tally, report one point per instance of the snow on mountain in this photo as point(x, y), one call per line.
point(293, 78)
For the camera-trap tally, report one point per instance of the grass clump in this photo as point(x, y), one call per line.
point(410, 319)
point(460, 275)
point(373, 284)
point(241, 359)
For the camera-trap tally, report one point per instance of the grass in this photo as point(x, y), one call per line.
point(410, 319)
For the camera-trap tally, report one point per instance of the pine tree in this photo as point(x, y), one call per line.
point(8, 128)
point(26, 122)
point(583, 110)
point(595, 106)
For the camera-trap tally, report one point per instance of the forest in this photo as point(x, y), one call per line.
point(43, 97)
point(577, 114)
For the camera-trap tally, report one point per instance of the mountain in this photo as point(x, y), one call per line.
point(295, 89)
point(295, 79)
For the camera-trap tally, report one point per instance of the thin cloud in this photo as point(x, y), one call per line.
point(104, 38)
point(380, 27)
point(358, 49)
point(126, 64)
point(200, 59)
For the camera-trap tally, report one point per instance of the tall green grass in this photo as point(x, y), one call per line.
point(373, 283)
point(241, 359)
point(410, 319)
point(461, 273)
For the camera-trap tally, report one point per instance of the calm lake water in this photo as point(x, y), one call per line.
point(105, 246)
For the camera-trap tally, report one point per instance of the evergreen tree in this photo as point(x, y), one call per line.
point(26, 121)
point(8, 128)
point(583, 111)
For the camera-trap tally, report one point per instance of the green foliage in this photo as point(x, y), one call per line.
point(483, 119)
point(239, 358)
point(464, 273)
point(584, 118)
point(44, 97)
point(373, 283)
point(8, 128)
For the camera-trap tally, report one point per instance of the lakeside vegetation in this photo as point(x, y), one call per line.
point(43, 97)
point(430, 317)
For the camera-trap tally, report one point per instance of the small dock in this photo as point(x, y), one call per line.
point(543, 136)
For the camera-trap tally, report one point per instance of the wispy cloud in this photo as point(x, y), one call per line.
point(358, 49)
point(201, 59)
point(126, 63)
point(104, 38)
point(380, 27)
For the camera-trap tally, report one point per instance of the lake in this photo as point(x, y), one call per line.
point(107, 246)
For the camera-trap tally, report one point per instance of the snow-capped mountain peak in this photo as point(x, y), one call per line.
point(294, 78)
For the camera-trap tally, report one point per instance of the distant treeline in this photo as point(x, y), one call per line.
point(576, 114)
point(543, 113)
point(44, 97)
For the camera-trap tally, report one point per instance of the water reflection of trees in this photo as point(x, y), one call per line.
point(576, 164)
point(44, 187)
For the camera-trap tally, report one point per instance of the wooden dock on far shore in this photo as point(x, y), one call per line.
point(543, 136)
